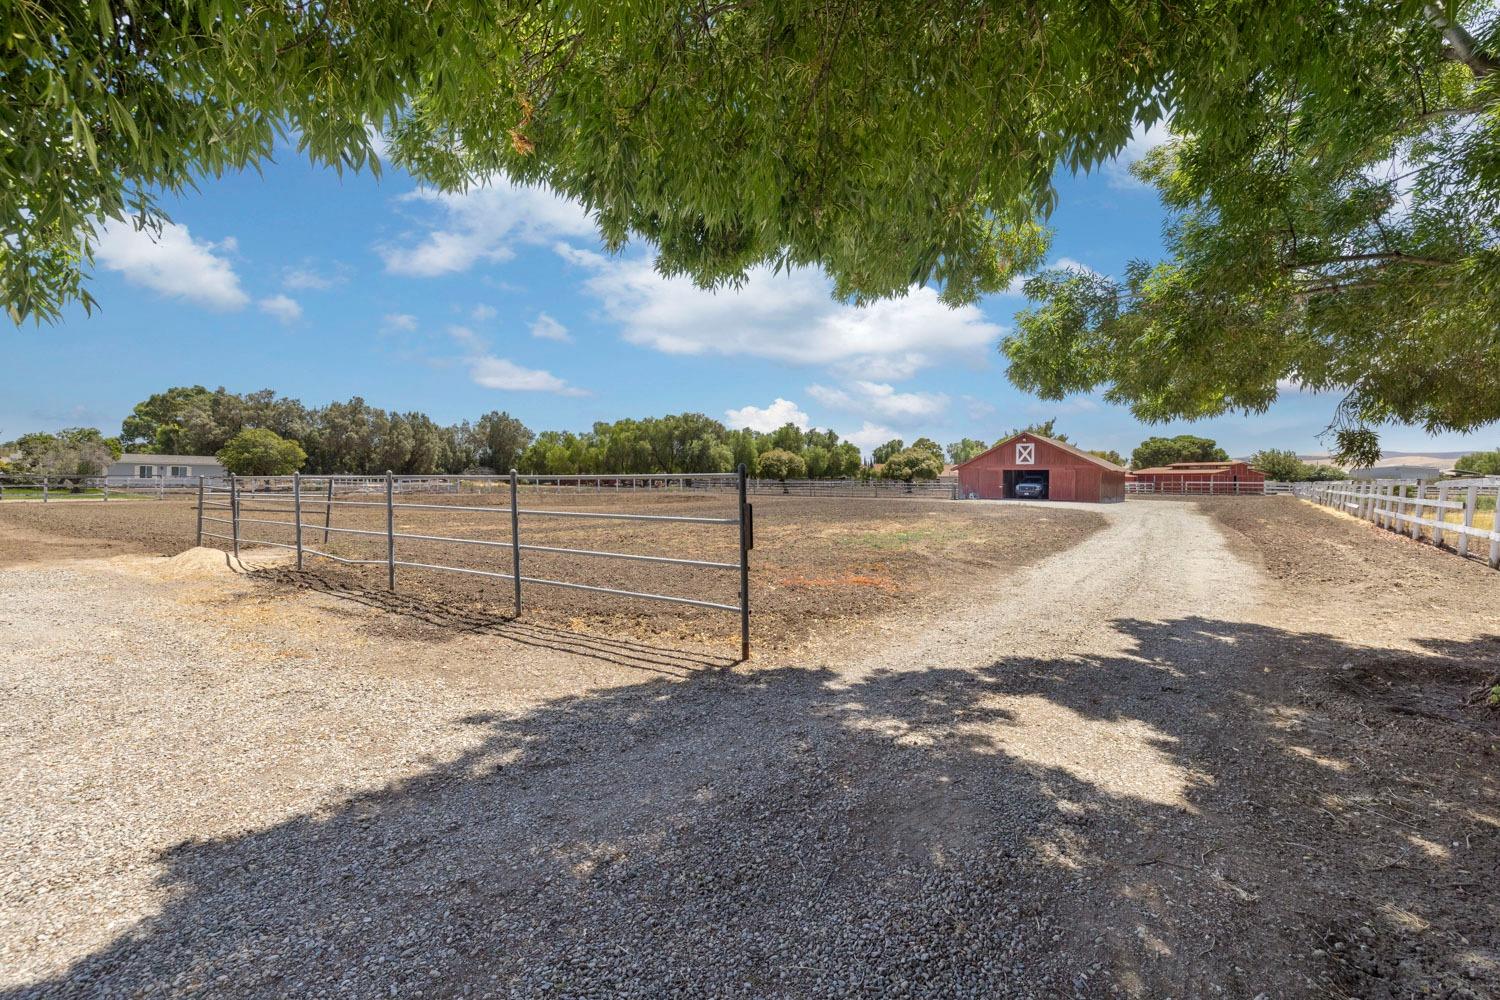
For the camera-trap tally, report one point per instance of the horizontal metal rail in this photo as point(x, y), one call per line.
point(503, 544)
point(530, 511)
point(633, 593)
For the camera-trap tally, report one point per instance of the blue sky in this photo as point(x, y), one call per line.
point(325, 287)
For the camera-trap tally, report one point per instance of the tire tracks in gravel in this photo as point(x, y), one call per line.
point(1155, 562)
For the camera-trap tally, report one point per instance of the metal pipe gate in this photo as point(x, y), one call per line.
point(229, 499)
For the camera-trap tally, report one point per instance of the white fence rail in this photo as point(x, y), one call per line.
point(101, 488)
point(1450, 514)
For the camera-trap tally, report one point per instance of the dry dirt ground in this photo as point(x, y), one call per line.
point(1229, 747)
point(818, 563)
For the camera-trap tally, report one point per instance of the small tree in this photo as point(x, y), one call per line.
point(259, 452)
point(1484, 463)
point(75, 452)
point(885, 451)
point(1041, 428)
point(913, 464)
point(1108, 454)
point(1155, 451)
point(1279, 465)
point(778, 463)
point(964, 449)
point(928, 445)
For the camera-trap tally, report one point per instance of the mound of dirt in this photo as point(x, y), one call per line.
point(202, 563)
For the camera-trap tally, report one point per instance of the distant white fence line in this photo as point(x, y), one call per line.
point(1438, 512)
point(47, 488)
point(1210, 487)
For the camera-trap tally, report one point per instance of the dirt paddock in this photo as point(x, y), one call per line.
point(1223, 747)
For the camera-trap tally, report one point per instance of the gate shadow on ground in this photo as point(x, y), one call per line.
point(1189, 806)
point(449, 622)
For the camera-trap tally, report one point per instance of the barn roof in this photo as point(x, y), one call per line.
point(1061, 445)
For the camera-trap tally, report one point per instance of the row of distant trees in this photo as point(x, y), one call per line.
point(266, 434)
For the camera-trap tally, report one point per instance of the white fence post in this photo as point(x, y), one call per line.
point(1471, 503)
point(1442, 514)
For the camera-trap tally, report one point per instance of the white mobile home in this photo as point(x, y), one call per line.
point(169, 467)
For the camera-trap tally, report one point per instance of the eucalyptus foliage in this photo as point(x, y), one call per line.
point(1342, 235)
point(1334, 192)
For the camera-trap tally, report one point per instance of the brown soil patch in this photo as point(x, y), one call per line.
point(53, 532)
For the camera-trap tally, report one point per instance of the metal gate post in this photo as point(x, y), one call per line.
point(200, 511)
point(390, 531)
point(234, 510)
point(515, 539)
point(328, 512)
point(747, 541)
point(44, 489)
point(297, 513)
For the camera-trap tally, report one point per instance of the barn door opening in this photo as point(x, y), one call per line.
point(1031, 478)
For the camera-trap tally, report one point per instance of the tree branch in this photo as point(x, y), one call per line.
point(1388, 256)
point(1461, 45)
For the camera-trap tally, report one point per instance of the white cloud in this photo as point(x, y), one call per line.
point(499, 373)
point(789, 317)
point(467, 337)
point(283, 307)
point(484, 224)
point(767, 419)
point(894, 368)
point(870, 436)
point(403, 322)
point(482, 312)
point(307, 276)
point(173, 264)
point(882, 400)
point(1142, 141)
point(1017, 284)
point(547, 328)
point(979, 409)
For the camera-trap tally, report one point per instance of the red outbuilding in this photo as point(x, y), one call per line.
point(1201, 477)
point(1065, 472)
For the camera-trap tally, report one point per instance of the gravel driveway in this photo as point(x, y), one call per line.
point(1134, 768)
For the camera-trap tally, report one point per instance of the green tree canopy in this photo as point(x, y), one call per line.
point(929, 445)
point(1045, 428)
point(1484, 463)
point(1108, 454)
point(260, 452)
point(1156, 451)
point(883, 453)
point(913, 464)
point(962, 450)
point(783, 465)
point(1343, 235)
point(73, 451)
point(1281, 466)
point(1333, 194)
point(501, 439)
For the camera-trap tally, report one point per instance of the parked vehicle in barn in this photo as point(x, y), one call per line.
point(1031, 486)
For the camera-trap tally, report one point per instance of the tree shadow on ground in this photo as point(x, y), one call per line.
point(1204, 812)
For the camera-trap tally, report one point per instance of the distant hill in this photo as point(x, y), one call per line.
point(1443, 460)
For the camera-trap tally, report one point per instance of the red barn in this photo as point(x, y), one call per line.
point(1202, 477)
point(1067, 473)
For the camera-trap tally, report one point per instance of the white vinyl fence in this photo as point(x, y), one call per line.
point(75, 488)
point(1459, 514)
